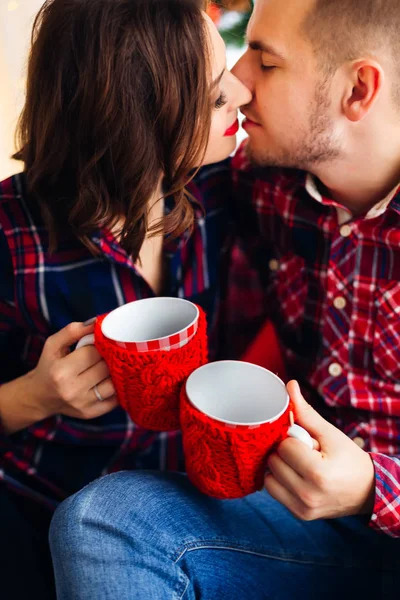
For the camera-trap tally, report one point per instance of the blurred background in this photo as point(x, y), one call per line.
point(16, 19)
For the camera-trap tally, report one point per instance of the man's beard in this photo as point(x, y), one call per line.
point(314, 145)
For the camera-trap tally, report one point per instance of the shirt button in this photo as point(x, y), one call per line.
point(359, 442)
point(345, 231)
point(273, 264)
point(335, 370)
point(339, 303)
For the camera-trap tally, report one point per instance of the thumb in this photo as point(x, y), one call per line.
point(308, 418)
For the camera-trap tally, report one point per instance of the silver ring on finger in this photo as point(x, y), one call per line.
point(97, 394)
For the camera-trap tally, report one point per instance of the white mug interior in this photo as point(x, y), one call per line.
point(237, 393)
point(149, 319)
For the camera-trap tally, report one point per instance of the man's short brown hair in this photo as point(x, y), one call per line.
point(345, 30)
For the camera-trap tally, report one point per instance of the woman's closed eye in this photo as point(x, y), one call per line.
point(221, 101)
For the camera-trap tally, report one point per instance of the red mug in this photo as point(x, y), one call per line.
point(233, 414)
point(151, 346)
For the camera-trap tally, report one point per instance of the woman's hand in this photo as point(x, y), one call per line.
point(63, 382)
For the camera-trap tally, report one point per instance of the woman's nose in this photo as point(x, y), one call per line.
point(246, 95)
point(238, 93)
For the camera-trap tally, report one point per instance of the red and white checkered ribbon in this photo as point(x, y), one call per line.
point(172, 342)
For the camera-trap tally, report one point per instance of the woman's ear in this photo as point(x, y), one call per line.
point(367, 78)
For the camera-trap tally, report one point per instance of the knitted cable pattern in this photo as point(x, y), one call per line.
point(227, 462)
point(148, 383)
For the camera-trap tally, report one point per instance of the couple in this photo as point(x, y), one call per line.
point(126, 98)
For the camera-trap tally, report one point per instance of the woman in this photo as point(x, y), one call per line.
point(125, 100)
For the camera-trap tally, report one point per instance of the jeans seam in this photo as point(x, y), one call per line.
point(215, 545)
point(186, 584)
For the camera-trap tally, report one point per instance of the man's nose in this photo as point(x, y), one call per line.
point(242, 71)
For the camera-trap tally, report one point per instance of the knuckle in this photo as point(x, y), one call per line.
point(49, 343)
point(310, 500)
point(307, 515)
point(70, 393)
point(72, 330)
point(57, 375)
point(319, 479)
point(68, 396)
point(298, 512)
point(72, 327)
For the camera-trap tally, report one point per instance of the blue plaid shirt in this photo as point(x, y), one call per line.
point(41, 293)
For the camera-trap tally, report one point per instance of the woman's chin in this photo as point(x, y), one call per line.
point(226, 148)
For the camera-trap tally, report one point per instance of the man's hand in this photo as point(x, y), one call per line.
point(336, 481)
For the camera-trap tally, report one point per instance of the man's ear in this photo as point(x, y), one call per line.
point(367, 78)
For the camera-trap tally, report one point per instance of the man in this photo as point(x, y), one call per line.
point(325, 116)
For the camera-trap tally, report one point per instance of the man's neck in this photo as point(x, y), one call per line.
point(359, 187)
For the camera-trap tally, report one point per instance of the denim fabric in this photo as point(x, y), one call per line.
point(151, 536)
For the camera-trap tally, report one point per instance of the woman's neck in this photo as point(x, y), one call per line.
point(155, 215)
point(150, 262)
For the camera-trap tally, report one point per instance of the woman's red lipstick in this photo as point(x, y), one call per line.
point(233, 129)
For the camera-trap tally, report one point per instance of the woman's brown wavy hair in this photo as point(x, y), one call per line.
point(118, 95)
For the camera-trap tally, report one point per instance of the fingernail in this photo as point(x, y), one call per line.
point(89, 322)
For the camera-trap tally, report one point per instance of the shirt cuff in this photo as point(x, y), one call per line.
point(386, 513)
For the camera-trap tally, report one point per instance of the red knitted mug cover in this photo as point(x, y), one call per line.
point(148, 383)
point(224, 461)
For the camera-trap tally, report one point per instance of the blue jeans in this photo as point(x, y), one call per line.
point(152, 536)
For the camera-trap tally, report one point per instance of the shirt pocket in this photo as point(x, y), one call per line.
point(386, 340)
point(289, 289)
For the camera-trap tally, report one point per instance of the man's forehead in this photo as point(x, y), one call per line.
point(277, 23)
point(296, 9)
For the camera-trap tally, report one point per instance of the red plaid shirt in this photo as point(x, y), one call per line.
point(333, 292)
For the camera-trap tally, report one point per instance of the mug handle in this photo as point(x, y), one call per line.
point(297, 432)
point(87, 340)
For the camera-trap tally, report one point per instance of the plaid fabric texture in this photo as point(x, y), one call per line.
point(333, 292)
point(41, 293)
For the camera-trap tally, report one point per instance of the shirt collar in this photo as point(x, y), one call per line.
point(392, 199)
